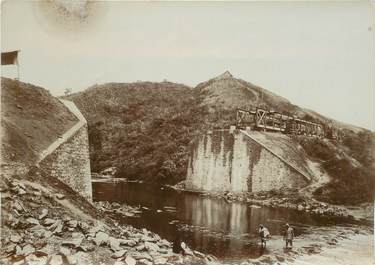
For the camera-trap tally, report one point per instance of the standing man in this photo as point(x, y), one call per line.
point(288, 236)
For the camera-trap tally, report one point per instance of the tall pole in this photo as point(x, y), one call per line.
point(18, 68)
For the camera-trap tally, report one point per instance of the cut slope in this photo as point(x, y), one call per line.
point(31, 120)
point(286, 149)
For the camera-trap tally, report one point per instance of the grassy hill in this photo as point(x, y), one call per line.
point(31, 120)
point(144, 129)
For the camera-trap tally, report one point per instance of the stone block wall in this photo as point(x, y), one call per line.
point(225, 161)
point(70, 163)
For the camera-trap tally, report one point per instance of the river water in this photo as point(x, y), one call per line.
point(227, 230)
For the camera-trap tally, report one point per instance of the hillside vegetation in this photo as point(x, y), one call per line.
point(350, 164)
point(144, 129)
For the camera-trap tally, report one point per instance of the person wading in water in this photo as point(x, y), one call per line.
point(263, 234)
point(288, 236)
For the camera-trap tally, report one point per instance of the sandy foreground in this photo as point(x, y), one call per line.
point(358, 250)
point(324, 245)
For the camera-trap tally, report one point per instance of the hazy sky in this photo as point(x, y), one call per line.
point(318, 55)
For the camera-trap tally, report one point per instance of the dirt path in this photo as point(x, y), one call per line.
point(321, 178)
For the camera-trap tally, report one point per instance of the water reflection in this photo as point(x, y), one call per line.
point(210, 225)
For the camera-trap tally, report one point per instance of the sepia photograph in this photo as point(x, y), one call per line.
point(187, 132)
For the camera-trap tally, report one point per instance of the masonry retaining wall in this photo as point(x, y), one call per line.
point(225, 161)
point(70, 163)
point(68, 158)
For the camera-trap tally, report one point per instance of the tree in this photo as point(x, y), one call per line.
point(68, 91)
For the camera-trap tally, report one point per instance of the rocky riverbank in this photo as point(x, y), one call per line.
point(44, 222)
point(293, 199)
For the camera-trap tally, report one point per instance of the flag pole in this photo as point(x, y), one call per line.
point(18, 68)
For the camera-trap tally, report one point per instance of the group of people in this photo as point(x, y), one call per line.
point(264, 235)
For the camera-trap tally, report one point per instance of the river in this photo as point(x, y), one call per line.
point(227, 230)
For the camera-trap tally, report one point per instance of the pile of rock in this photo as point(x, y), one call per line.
point(307, 206)
point(268, 199)
point(38, 230)
point(116, 208)
point(179, 186)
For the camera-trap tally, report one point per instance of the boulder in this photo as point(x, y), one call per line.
point(10, 249)
point(199, 254)
point(151, 246)
point(55, 260)
point(119, 254)
point(35, 260)
point(148, 239)
point(210, 258)
point(74, 242)
point(130, 261)
point(79, 258)
point(84, 227)
point(43, 214)
point(72, 259)
point(47, 234)
point(32, 221)
point(18, 250)
point(37, 193)
point(18, 206)
point(49, 221)
point(145, 262)
point(141, 255)
point(39, 231)
point(65, 251)
point(101, 238)
point(20, 191)
point(57, 227)
point(15, 238)
point(128, 242)
point(27, 250)
point(114, 244)
point(86, 248)
point(160, 260)
point(163, 251)
point(47, 250)
point(72, 223)
point(186, 249)
point(164, 242)
point(95, 229)
point(140, 247)
point(60, 196)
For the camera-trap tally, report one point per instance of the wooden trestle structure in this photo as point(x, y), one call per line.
point(265, 120)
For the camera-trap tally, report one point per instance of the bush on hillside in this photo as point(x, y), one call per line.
point(351, 182)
